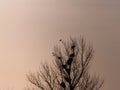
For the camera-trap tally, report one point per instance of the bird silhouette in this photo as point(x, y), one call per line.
point(69, 61)
point(72, 55)
point(60, 40)
point(63, 85)
point(73, 46)
point(59, 57)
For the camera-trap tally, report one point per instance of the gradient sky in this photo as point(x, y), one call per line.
point(30, 28)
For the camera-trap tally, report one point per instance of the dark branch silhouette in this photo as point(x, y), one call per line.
point(70, 69)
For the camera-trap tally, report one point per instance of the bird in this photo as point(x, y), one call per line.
point(73, 46)
point(69, 61)
point(64, 66)
point(60, 40)
point(63, 84)
point(72, 55)
point(59, 57)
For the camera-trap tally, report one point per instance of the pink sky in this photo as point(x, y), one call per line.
point(30, 28)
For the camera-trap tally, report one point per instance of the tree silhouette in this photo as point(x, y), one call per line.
point(69, 70)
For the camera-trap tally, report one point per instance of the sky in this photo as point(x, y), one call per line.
point(29, 29)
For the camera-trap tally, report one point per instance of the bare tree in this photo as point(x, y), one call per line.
point(69, 70)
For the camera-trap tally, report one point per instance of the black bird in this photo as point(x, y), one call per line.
point(63, 85)
point(64, 66)
point(59, 57)
point(72, 55)
point(69, 61)
point(60, 40)
point(73, 46)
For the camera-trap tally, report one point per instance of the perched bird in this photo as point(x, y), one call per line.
point(69, 61)
point(64, 66)
point(60, 40)
point(73, 46)
point(72, 55)
point(59, 57)
point(63, 85)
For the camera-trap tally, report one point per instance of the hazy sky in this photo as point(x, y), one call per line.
point(30, 28)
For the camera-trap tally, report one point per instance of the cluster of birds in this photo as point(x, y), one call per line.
point(67, 67)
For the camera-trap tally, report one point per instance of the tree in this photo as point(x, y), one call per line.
point(69, 70)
